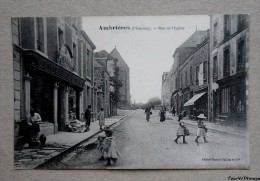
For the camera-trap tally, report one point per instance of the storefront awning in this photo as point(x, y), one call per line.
point(194, 99)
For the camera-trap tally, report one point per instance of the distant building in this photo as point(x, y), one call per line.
point(124, 78)
point(53, 66)
point(229, 58)
point(166, 91)
point(103, 61)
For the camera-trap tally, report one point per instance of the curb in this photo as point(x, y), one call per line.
point(70, 149)
point(213, 129)
point(218, 130)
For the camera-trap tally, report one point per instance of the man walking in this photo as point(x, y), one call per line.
point(88, 118)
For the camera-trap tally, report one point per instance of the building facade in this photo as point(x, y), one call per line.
point(124, 101)
point(86, 57)
point(190, 62)
point(229, 55)
point(48, 74)
point(198, 78)
point(104, 66)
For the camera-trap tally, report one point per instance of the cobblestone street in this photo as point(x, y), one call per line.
point(151, 145)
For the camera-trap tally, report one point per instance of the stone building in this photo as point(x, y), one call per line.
point(196, 75)
point(229, 55)
point(188, 73)
point(104, 65)
point(124, 78)
point(86, 69)
point(53, 65)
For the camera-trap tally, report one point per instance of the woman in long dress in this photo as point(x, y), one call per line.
point(101, 118)
point(162, 114)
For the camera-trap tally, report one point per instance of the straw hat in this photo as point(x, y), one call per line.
point(201, 116)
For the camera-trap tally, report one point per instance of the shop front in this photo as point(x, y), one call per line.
point(230, 100)
point(197, 105)
point(51, 90)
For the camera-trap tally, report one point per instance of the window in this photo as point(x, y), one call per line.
point(226, 63)
point(215, 39)
point(181, 84)
point(227, 26)
point(241, 56)
point(186, 77)
point(241, 22)
point(176, 83)
point(237, 98)
point(88, 64)
point(197, 75)
point(74, 56)
point(205, 73)
point(84, 61)
point(61, 37)
point(40, 34)
point(215, 67)
point(191, 75)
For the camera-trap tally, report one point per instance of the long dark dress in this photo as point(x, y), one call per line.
point(162, 115)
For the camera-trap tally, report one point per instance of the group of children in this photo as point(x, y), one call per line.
point(107, 147)
point(201, 131)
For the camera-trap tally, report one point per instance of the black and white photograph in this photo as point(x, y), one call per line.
point(131, 92)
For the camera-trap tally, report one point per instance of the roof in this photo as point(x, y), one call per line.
point(88, 39)
point(114, 53)
point(195, 39)
point(101, 54)
point(97, 64)
point(104, 54)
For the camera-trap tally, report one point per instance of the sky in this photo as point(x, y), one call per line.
point(147, 46)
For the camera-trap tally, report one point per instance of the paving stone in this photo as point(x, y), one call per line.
point(46, 151)
point(37, 156)
point(24, 160)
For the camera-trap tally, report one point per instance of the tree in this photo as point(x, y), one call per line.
point(116, 83)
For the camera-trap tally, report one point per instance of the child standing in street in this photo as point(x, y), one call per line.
point(181, 133)
point(111, 152)
point(101, 143)
point(202, 130)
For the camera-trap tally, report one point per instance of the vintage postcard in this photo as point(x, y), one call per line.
point(131, 92)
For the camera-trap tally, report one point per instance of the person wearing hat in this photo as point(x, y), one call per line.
point(201, 128)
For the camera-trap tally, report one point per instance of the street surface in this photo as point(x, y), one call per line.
point(151, 145)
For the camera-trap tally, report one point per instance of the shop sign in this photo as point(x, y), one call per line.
point(41, 63)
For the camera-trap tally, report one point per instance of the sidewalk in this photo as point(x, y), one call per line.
point(212, 126)
point(56, 144)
